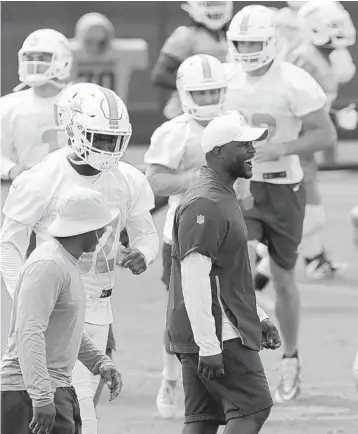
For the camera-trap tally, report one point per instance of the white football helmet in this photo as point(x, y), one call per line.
point(85, 110)
point(296, 5)
point(198, 73)
point(291, 35)
point(56, 65)
point(253, 24)
point(327, 23)
point(213, 14)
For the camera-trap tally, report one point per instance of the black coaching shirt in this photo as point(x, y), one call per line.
point(209, 221)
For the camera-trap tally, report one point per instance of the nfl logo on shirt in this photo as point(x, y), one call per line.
point(200, 219)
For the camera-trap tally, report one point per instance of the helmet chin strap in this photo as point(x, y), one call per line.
point(81, 162)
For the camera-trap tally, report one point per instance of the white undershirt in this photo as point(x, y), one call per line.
point(195, 271)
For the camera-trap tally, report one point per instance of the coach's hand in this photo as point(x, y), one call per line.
point(270, 338)
point(43, 419)
point(211, 366)
point(134, 260)
point(113, 380)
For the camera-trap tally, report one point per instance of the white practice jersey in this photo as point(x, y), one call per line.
point(278, 100)
point(33, 201)
point(28, 130)
point(176, 145)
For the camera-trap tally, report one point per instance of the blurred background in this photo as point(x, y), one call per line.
point(152, 21)
point(329, 321)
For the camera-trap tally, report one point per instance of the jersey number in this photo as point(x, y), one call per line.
point(104, 79)
point(265, 120)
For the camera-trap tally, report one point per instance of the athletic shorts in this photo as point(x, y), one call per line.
point(167, 263)
point(276, 219)
point(16, 412)
point(242, 391)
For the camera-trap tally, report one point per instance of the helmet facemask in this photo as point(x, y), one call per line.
point(38, 72)
point(83, 142)
point(338, 34)
point(254, 60)
point(212, 14)
point(45, 59)
point(203, 111)
point(327, 25)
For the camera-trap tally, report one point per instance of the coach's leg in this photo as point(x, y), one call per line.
point(205, 427)
point(251, 424)
point(16, 412)
point(85, 383)
point(203, 414)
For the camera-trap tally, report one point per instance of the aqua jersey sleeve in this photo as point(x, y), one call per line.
point(179, 44)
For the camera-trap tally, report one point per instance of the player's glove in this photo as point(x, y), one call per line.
point(211, 366)
point(270, 337)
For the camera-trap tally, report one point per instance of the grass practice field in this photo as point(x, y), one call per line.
point(328, 341)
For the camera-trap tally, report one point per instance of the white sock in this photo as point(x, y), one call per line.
point(172, 366)
point(311, 244)
point(88, 416)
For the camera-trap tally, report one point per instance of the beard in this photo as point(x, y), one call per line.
point(241, 170)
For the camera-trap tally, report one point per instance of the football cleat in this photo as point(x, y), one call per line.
point(288, 387)
point(167, 400)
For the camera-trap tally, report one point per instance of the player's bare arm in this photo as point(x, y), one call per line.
point(318, 133)
point(164, 71)
point(98, 363)
point(166, 181)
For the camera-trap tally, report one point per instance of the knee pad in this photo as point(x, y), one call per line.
point(315, 218)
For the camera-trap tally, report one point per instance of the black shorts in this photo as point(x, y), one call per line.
point(242, 391)
point(16, 412)
point(277, 219)
point(167, 263)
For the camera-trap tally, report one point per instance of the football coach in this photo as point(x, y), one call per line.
point(214, 324)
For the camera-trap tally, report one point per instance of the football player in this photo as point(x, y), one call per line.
point(323, 53)
point(205, 35)
point(287, 100)
point(103, 59)
point(354, 216)
point(98, 129)
point(28, 131)
point(174, 155)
